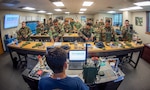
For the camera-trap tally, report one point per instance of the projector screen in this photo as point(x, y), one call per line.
point(11, 21)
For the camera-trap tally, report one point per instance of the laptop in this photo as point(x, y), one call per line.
point(76, 59)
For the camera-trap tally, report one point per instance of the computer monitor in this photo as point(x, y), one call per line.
point(77, 56)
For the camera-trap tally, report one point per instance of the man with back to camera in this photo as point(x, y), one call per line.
point(56, 60)
point(24, 32)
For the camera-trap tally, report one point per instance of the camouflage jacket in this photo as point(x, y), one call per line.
point(86, 33)
point(96, 25)
point(55, 31)
point(67, 28)
point(104, 33)
point(39, 28)
point(77, 25)
point(72, 24)
point(101, 23)
point(47, 26)
point(24, 34)
point(126, 33)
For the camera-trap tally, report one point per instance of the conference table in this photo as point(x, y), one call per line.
point(92, 49)
point(67, 37)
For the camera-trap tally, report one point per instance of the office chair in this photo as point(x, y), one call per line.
point(33, 84)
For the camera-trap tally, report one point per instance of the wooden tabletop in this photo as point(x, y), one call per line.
point(39, 36)
point(78, 46)
point(46, 36)
point(71, 35)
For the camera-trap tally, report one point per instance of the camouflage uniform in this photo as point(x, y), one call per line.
point(24, 34)
point(39, 28)
point(86, 33)
point(72, 24)
point(47, 26)
point(126, 33)
point(101, 23)
point(77, 26)
point(105, 34)
point(55, 32)
point(67, 28)
point(96, 25)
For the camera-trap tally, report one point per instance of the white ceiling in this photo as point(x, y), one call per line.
point(72, 6)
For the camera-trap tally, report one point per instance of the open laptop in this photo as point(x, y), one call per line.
point(76, 59)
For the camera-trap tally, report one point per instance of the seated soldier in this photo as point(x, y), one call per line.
point(48, 25)
point(77, 26)
point(57, 61)
point(96, 25)
point(39, 27)
point(87, 32)
point(72, 23)
point(24, 32)
point(101, 23)
point(55, 32)
point(67, 27)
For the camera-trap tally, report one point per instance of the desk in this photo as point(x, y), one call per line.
point(71, 37)
point(40, 37)
point(93, 51)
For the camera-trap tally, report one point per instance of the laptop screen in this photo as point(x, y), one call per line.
point(77, 55)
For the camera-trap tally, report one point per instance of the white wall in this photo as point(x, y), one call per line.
point(102, 16)
point(127, 16)
point(74, 16)
point(141, 29)
point(13, 30)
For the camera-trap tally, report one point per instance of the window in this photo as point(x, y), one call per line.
point(117, 19)
point(148, 23)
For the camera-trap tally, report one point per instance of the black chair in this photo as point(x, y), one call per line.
point(33, 84)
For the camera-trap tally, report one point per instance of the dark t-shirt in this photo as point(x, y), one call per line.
point(68, 83)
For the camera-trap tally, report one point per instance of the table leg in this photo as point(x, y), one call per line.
point(10, 52)
point(136, 63)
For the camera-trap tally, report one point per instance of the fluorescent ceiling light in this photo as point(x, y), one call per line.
point(131, 8)
point(81, 12)
point(144, 3)
point(111, 12)
point(83, 9)
point(59, 4)
point(28, 8)
point(87, 3)
point(67, 12)
point(41, 11)
point(49, 13)
point(57, 10)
